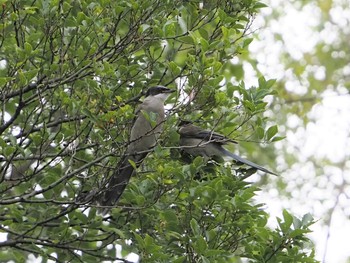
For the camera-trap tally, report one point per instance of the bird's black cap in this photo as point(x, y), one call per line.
point(158, 90)
point(184, 122)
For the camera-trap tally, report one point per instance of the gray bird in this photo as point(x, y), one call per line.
point(208, 144)
point(143, 138)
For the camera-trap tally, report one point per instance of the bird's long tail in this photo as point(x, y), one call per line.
point(247, 162)
point(118, 182)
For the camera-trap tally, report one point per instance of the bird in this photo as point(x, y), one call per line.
point(209, 144)
point(143, 138)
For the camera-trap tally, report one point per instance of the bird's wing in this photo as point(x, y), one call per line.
point(192, 131)
point(213, 136)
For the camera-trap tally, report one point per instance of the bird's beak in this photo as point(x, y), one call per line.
point(169, 91)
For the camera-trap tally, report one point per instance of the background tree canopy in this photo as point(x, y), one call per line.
point(71, 75)
point(305, 46)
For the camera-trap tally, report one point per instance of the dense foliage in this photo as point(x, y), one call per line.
point(71, 75)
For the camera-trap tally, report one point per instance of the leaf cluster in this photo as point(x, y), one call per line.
point(71, 74)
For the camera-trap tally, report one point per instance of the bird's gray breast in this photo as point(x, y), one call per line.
point(147, 127)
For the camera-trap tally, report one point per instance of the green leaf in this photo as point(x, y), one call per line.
point(133, 164)
point(30, 74)
point(80, 17)
point(139, 240)
point(204, 44)
point(260, 132)
point(186, 40)
point(288, 220)
point(151, 117)
point(270, 83)
point(200, 245)
point(198, 161)
point(262, 82)
point(259, 5)
point(214, 45)
point(81, 217)
point(246, 42)
point(28, 48)
point(22, 79)
point(149, 242)
point(249, 105)
point(298, 232)
point(222, 14)
point(174, 68)
point(4, 80)
point(9, 150)
point(179, 260)
point(18, 256)
point(118, 9)
point(169, 216)
point(204, 33)
point(307, 220)
point(278, 138)
point(195, 227)
point(271, 131)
